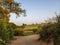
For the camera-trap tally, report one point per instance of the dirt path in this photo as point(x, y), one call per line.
point(27, 40)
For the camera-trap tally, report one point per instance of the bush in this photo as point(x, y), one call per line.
point(5, 35)
point(45, 34)
point(18, 33)
point(34, 30)
point(51, 31)
point(11, 33)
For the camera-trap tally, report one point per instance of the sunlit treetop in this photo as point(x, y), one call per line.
point(10, 6)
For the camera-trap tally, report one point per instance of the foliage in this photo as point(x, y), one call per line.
point(6, 29)
point(18, 33)
point(45, 33)
point(5, 35)
point(34, 30)
point(51, 31)
point(57, 31)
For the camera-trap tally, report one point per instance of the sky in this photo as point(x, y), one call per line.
point(37, 11)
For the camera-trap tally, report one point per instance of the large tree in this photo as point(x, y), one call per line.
point(7, 7)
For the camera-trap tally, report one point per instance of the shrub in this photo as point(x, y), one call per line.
point(11, 33)
point(45, 34)
point(51, 31)
point(34, 30)
point(5, 35)
point(18, 33)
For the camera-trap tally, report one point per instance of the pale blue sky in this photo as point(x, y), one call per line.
point(37, 11)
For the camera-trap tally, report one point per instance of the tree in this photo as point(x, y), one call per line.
point(10, 6)
point(7, 7)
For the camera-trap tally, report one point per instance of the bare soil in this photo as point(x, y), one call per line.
point(28, 40)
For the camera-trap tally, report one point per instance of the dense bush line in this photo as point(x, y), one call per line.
point(51, 31)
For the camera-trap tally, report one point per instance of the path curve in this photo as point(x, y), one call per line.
point(27, 40)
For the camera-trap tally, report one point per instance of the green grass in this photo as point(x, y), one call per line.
point(28, 32)
point(29, 29)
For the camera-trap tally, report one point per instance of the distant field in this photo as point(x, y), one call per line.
point(28, 32)
point(29, 29)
